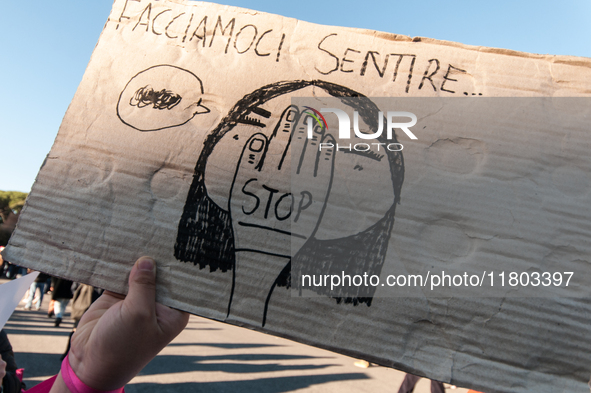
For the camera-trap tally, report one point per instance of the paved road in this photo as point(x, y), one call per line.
point(210, 356)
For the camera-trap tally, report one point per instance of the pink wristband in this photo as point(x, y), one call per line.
point(75, 384)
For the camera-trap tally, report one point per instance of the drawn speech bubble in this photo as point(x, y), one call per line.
point(162, 96)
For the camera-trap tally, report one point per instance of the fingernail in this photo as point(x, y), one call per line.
point(146, 263)
point(256, 145)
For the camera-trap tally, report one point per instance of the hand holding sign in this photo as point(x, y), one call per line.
point(120, 334)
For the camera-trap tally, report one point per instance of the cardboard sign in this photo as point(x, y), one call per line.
point(185, 141)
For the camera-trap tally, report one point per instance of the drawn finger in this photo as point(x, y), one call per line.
point(250, 162)
point(325, 159)
point(253, 153)
point(311, 150)
point(323, 171)
point(297, 142)
point(280, 138)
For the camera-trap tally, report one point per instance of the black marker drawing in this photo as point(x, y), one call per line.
point(275, 177)
point(163, 99)
point(276, 217)
point(160, 97)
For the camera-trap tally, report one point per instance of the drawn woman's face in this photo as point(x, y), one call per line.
point(362, 184)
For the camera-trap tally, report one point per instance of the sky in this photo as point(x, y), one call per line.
point(46, 45)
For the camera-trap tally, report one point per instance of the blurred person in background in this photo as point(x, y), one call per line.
point(410, 380)
point(39, 283)
point(61, 293)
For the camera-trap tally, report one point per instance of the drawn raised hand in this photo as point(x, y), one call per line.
point(277, 199)
point(280, 187)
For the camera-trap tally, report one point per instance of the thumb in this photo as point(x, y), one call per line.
point(142, 285)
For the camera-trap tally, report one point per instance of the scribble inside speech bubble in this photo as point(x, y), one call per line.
point(160, 97)
point(163, 99)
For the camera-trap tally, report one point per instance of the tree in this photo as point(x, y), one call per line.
point(11, 204)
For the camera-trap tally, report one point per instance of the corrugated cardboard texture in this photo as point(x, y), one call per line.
point(162, 96)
